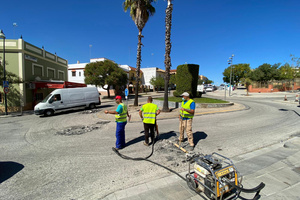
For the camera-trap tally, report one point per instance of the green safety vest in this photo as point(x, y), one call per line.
point(149, 111)
point(187, 106)
point(122, 117)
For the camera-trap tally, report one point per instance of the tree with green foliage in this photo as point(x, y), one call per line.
point(238, 72)
point(14, 97)
point(168, 21)
point(157, 82)
point(187, 79)
point(286, 72)
point(265, 73)
point(10, 77)
point(295, 65)
point(207, 81)
point(247, 82)
point(105, 73)
point(173, 79)
point(140, 11)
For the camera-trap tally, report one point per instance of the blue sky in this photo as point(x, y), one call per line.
point(204, 32)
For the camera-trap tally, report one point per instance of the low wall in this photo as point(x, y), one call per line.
point(272, 89)
point(160, 104)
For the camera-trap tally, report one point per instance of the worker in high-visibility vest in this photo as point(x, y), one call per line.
point(121, 115)
point(148, 113)
point(186, 115)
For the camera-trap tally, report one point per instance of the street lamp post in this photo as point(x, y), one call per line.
point(230, 64)
point(4, 73)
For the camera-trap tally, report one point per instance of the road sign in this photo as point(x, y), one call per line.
point(5, 84)
point(6, 90)
point(126, 92)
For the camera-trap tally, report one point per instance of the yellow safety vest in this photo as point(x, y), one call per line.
point(187, 106)
point(122, 117)
point(149, 111)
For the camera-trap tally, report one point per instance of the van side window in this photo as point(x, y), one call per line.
point(57, 97)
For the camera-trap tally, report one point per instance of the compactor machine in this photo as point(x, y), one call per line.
point(217, 177)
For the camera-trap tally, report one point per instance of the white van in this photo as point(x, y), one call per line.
point(200, 90)
point(68, 98)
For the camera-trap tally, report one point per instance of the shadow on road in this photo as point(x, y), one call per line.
point(9, 169)
point(199, 136)
point(142, 137)
point(290, 110)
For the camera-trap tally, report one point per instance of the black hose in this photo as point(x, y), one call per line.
point(146, 159)
point(136, 159)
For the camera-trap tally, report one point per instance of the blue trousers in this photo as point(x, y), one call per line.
point(120, 135)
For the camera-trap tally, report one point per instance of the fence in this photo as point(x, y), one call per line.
point(275, 86)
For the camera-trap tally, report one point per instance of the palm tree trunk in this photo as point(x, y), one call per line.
point(168, 22)
point(138, 66)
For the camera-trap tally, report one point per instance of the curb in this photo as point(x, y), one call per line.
point(196, 114)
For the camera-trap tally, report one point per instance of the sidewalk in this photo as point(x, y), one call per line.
point(278, 166)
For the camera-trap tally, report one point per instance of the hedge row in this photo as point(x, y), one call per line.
point(187, 79)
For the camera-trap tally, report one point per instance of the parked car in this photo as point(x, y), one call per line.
point(67, 99)
point(209, 89)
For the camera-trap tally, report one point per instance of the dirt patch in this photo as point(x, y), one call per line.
point(91, 111)
point(79, 130)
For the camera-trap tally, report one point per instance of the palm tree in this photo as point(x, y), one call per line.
point(168, 22)
point(140, 10)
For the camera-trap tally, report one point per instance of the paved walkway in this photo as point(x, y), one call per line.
point(278, 166)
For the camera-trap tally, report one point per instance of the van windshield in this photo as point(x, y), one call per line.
point(46, 99)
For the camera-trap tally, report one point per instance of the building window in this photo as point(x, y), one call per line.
point(73, 73)
point(79, 73)
point(37, 70)
point(61, 75)
point(50, 73)
point(39, 96)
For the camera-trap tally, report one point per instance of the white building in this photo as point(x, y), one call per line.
point(76, 72)
point(150, 73)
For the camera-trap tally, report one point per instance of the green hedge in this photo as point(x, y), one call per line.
point(187, 79)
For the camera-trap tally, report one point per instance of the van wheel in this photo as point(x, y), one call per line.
point(48, 113)
point(92, 106)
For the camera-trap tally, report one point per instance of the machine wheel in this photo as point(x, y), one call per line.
point(191, 183)
point(92, 106)
point(48, 113)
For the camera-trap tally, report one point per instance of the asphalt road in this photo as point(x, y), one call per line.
point(37, 163)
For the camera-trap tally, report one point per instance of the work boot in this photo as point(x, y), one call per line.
point(146, 144)
point(190, 148)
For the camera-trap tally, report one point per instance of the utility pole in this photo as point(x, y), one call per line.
point(230, 64)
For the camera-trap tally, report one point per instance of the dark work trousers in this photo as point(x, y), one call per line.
point(120, 135)
point(148, 127)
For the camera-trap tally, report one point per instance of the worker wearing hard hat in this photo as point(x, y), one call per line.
point(186, 115)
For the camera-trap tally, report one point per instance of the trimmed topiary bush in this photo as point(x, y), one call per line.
point(187, 79)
